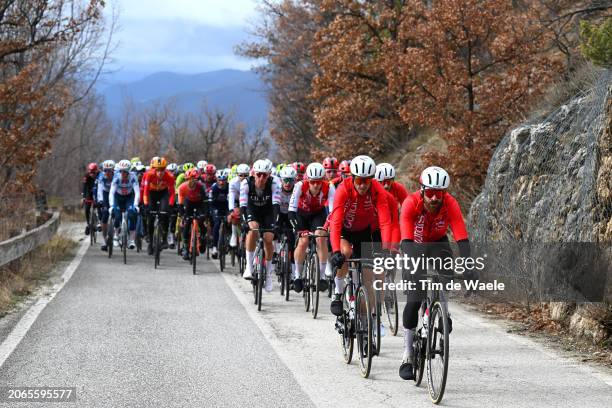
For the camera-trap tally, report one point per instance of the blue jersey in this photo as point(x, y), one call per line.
point(126, 187)
point(218, 197)
point(103, 186)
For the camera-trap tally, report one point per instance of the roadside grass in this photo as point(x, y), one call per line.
point(20, 277)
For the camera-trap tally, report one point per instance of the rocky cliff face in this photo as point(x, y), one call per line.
point(551, 181)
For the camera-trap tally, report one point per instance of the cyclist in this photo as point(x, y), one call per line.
point(307, 212)
point(259, 207)
point(174, 170)
point(158, 188)
point(89, 191)
point(218, 197)
point(192, 194)
point(385, 174)
point(104, 181)
point(182, 177)
point(135, 161)
point(331, 168)
point(233, 200)
point(287, 177)
point(300, 169)
point(345, 169)
point(208, 178)
point(355, 203)
point(425, 218)
point(124, 196)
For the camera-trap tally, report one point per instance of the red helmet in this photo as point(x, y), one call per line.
point(330, 163)
point(192, 174)
point(92, 167)
point(210, 169)
point(299, 167)
point(345, 167)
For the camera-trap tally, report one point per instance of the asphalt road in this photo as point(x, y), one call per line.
point(133, 336)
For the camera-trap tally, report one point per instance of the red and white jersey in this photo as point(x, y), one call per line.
point(304, 202)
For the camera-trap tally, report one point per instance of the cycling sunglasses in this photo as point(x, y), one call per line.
point(243, 175)
point(261, 175)
point(363, 180)
point(387, 182)
point(434, 193)
point(315, 182)
point(288, 180)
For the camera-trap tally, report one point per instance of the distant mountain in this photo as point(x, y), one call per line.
point(241, 92)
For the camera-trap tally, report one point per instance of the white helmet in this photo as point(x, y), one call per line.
point(315, 171)
point(384, 171)
point(202, 164)
point(288, 172)
point(243, 169)
point(222, 174)
point(124, 165)
point(435, 177)
point(172, 167)
point(269, 162)
point(108, 165)
point(363, 166)
point(262, 166)
point(274, 171)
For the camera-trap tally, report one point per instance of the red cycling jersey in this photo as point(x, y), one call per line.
point(193, 195)
point(394, 216)
point(355, 212)
point(306, 202)
point(399, 192)
point(153, 183)
point(418, 224)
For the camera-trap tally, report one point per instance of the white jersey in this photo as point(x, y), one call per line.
point(233, 194)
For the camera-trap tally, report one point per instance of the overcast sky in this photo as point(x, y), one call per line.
point(181, 35)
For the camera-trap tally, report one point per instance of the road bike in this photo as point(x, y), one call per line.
point(259, 266)
point(223, 244)
point(194, 246)
point(283, 265)
point(311, 272)
point(157, 235)
point(356, 319)
point(124, 235)
point(431, 339)
point(92, 222)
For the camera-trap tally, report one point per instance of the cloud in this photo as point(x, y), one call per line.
point(181, 35)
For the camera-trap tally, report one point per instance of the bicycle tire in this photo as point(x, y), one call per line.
point(306, 280)
point(255, 269)
point(363, 331)
point(377, 322)
point(347, 337)
point(221, 245)
point(194, 246)
point(419, 347)
point(437, 336)
point(261, 278)
point(92, 226)
point(110, 238)
point(286, 269)
point(314, 276)
point(157, 242)
point(391, 308)
point(124, 238)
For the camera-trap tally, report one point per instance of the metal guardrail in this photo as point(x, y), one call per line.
point(20, 245)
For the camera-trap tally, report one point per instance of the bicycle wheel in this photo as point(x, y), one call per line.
point(92, 226)
point(363, 331)
point(437, 352)
point(346, 323)
point(306, 279)
point(157, 242)
point(124, 242)
point(255, 273)
point(138, 235)
point(286, 264)
point(419, 346)
point(194, 246)
point(221, 245)
point(261, 277)
point(110, 238)
point(377, 322)
point(391, 309)
point(314, 284)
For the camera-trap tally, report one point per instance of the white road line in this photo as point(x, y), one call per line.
point(23, 326)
